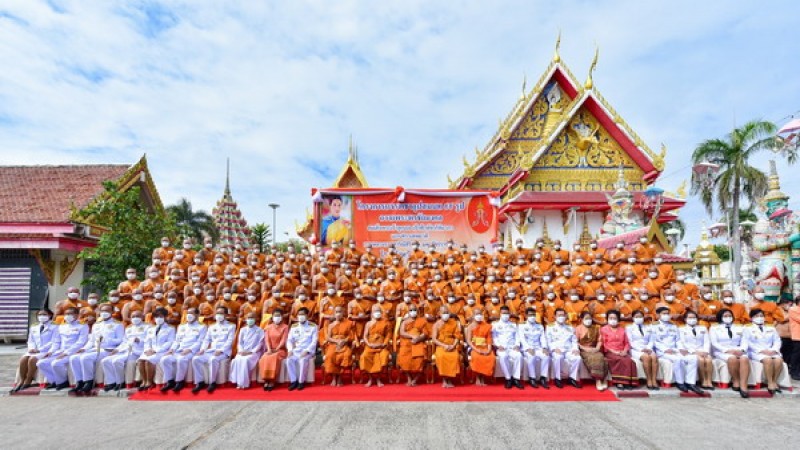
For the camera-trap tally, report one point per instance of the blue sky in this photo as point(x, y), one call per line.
point(279, 86)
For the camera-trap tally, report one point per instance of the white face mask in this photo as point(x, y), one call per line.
point(681, 277)
point(92, 301)
point(478, 317)
point(72, 295)
point(165, 243)
point(638, 320)
point(276, 319)
point(219, 317)
point(758, 320)
point(376, 315)
point(707, 296)
point(495, 300)
point(666, 318)
point(611, 279)
point(105, 315)
point(412, 314)
point(644, 297)
point(546, 278)
point(250, 322)
point(759, 295)
point(505, 317)
point(551, 295)
point(470, 301)
point(172, 300)
point(532, 320)
point(69, 318)
point(331, 291)
point(727, 320)
point(669, 298)
point(226, 296)
point(613, 322)
point(601, 297)
point(574, 298)
point(727, 300)
point(136, 320)
point(653, 274)
point(302, 319)
point(691, 321)
point(512, 295)
point(137, 297)
point(561, 319)
point(44, 319)
point(190, 318)
point(154, 275)
point(445, 316)
point(158, 295)
point(113, 299)
point(131, 276)
point(587, 322)
point(160, 320)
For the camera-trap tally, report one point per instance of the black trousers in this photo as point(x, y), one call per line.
point(786, 350)
point(794, 363)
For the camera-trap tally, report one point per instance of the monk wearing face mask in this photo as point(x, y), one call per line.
point(447, 336)
point(338, 345)
point(375, 356)
point(413, 334)
point(275, 336)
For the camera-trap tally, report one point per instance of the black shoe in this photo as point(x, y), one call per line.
point(61, 386)
point(141, 388)
point(17, 388)
point(682, 387)
point(293, 385)
point(211, 388)
point(508, 384)
point(620, 386)
point(575, 383)
point(517, 384)
point(109, 387)
point(744, 394)
point(167, 386)
point(771, 391)
point(778, 390)
point(178, 386)
point(88, 387)
point(269, 388)
point(558, 383)
point(651, 388)
point(696, 389)
point(736, 388)
point(533, 383)
point(118, 386)
point(709, 388)
point(198, 387)
point(50, 386)
point(266, 386)
point(78, 388)
point(301, 386)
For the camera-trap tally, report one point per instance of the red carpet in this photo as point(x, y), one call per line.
point(388, 393)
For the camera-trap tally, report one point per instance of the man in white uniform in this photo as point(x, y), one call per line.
point(535, 353)
point(506, 344)
point(129, 350)
point(302, 347)
point(106, 335)
point(42, 339)
point(176, 361)
point(217, 347)
point(73, 336)
point(563, 346)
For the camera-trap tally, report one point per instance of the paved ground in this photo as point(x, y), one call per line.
point(64, 423)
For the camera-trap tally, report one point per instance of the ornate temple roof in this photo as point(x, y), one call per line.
point(559, 110)
point(229, 220)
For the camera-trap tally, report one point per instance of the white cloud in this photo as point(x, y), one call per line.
point(278, 85)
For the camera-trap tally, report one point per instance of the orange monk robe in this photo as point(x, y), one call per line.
point(686, 293)
point(387, 310)
point(392, 289)
point(126, 289)
point(675, 309)
point(448, 363)
point(480, 338)
point(645, 252)
point(516, 305)
point(377, 332)
point(313, 309)
point(430, 309)
point(598, 311)
point(274, 351)
point(338, 357)
point(129, 309)
point(62, 306)
point(247, 308)
point(666, 272)
point(415, 283)
point(327, 311)
point(358, 311)
point(476, 288)
point(457, 310)
point(550, 307)
point(654, 286)
point(573, 310)
point(740, 315)
point(233, 308)
point(708, 308)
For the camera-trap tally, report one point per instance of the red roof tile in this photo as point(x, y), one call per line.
point(46, 193)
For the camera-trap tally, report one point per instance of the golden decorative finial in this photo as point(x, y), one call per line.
point(477, 151)
point(681, 192)
point(524, 85)
point(589, 83)
point(464, 161)
point(557, 57)
point(450, 182)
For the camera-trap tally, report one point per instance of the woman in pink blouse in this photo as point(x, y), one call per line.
point(617, 350)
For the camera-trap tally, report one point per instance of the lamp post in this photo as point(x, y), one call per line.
point(274, 207)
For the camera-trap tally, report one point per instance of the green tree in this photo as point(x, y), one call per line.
point(736, 178)
point(193, 224)
point(132, 234)
point(261, 234)
point(723, 251)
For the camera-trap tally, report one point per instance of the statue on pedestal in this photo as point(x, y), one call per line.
point(619, 219)
point(777, 238)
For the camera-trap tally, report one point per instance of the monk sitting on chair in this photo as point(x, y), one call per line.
point(413, 334)
point(338, 345)
point(447, 337)
point(375, 357)
point(479, 336)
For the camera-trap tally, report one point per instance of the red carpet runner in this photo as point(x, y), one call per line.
point(388, 393)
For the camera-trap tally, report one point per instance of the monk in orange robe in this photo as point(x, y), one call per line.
point(413, 335)
point(446, 336)
point(275, 337)
point(375, 357)
point(136, 305)
point(338, 347)
point(479, 336)
point(126, 287)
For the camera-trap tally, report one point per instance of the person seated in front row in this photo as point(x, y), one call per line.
point(640, 337)
point(563, 348)
point(666, 341)
point(302, 347)
point(42, 340)
point(764, 345)
point(130, 349)
point(216, 348)
point(535, 350)
point(506, 344)
point(157, 342)
point(727, 346)
point(478, 336)
point(275, 337)
point(248, 351)
point(175, 363)
point(694, 342)
point(72, 337)
point(106, 335)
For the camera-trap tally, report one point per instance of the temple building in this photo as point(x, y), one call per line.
point(350, 176)
point(42, 231)
point(228, 218)
point(568, 167)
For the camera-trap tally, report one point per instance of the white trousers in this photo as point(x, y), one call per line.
point(573, 364)
point(199, 362)
point(53, 369)
point(114, 367)
point(175, 366)
point(297, 366)
point(510, 362)
point(684, 368)
point(241, 366)
point(538, 364)
point(82, 364)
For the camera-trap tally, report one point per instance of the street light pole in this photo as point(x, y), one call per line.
point(274, 207)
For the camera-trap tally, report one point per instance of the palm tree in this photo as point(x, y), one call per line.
point(260, 234)
point(736, 178)
point(194, 224)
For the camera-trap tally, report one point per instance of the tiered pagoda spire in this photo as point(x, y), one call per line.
point(228, 219)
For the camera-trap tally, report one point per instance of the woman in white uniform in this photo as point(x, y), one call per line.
point(764, 345)
point(640, 337)
point(727, 345)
